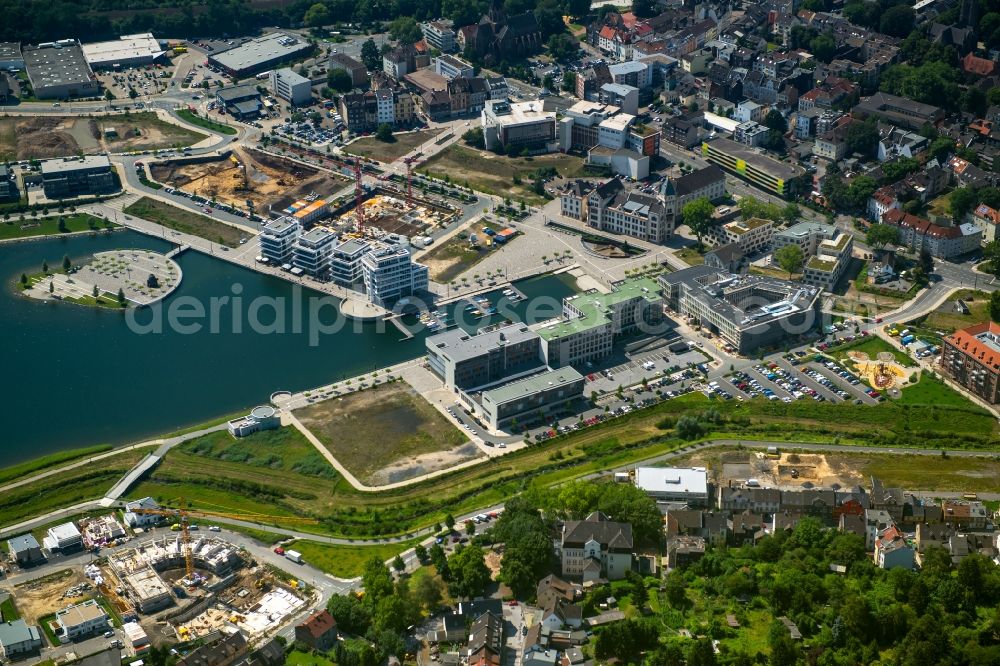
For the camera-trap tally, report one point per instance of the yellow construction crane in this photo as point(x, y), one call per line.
point(184, 514)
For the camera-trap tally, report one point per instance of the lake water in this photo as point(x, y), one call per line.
point(75, 376)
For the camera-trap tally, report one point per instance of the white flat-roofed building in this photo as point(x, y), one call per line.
point(290, 86)
point(126, 51)
point(451, 67)
point(613, 132)
point(313, 250)
point(518, 124)
point(440, 35)
point(136, 639)
point(277, 240)
point(81, 620)
point(623, 96)
point(345, 262)
point(63, 538)
point(631, 73)
point(674, 484)
point(390, 273)
point(260, 54)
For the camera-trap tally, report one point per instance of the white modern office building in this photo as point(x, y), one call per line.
point(390, 273)
point(345, 262)
point(313, 250)
point(291, 87)
point(674, 484)
point(277, 240)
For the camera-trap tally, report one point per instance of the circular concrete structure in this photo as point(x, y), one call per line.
point(355, 308)
point(263, 412)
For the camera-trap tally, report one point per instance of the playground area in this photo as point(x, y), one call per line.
point(882, 373)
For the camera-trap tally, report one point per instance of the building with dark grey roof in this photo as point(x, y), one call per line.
point(240, 101)
point(10, 56)
point(598, 545)
point(260, 54)
point(748, 311)
point(465, 361)
point(69, 177)
point(357, 71)
point(25, 550)
point(8, 186)
point(59, 70)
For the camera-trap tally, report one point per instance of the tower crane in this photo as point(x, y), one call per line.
point(184, 514)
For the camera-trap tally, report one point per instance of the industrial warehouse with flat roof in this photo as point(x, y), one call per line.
point(260, 54)
point(59, 70)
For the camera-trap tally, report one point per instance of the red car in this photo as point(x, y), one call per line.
point(279, 550)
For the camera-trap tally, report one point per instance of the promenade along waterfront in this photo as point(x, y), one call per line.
point(76, 376)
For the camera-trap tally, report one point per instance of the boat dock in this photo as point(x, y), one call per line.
point(393, 318)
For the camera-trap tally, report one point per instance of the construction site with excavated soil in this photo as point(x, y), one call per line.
point(235, 177)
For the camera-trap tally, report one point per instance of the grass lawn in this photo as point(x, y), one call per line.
point(211, 483)
point(872, 346)
point(457, 255)
point(8, 611)
point(939, 206)
point(186, 222)
point(375, 149)
point(49, 226)
point(299, 658)
point(346, 561)
point(200, 121)
point(67, 488)
point(146, 131)
point(15, 472)
point(691, 256)
point(954, 474)
point(947, 320)
point(932, 391)
point(494, 174)
point(393, 415)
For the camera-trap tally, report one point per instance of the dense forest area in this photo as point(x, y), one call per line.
point(33, 21)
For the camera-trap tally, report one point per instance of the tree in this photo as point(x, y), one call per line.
point(66, 263)
point(569, 82)
point(897, 21)
point(121, 297)
point(384, 133)
point(582, 7)
point(562, 47)
point(675, 590)
point(376, 580)
point(398, 564)
point(370, 55)
point(24, 280)
point(96, 292)
point(316, 16)
point(45, 267)
point(420, 553)
point(995, 306)
point(405, 30)
point(824, 47)
point(862, 137)
point(427, 592)
point(697, 215)
point(52, 286)
point(644, 8)
point(548, 14)
point(470, 528)
point(439, 560)
point(926, 261)
point(463, 12)
point(961, 201)
point(775, 121)
point(339, 80)
point(62, 225)
point(474, 137)
point(790, 258)
point(701, 653)
point(881, 235)
point(351, 615)
point(469, 574)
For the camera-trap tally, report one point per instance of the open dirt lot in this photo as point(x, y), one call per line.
point(268, 180)
point(830, 470)
point(387, 433)
point(45, 596)
point(23, 138)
